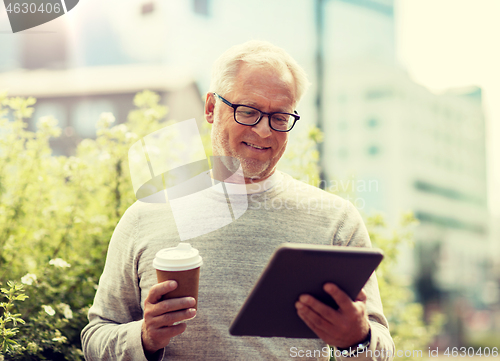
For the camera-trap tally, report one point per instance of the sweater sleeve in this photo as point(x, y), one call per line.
point(352, 232)
point(115, 318)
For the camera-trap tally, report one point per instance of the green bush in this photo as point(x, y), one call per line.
point(406, 317)
point(57, 215)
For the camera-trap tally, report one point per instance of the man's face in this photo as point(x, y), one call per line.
point(266, 90)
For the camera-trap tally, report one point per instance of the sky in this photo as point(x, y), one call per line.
point(455, 43)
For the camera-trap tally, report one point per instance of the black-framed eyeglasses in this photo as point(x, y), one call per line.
point(247, 115)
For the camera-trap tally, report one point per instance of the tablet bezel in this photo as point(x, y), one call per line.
point(294, 269)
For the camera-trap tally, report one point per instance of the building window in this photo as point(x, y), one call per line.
point(86, 113)
point(450, 222)
point(200, 7)
point(373, 122)
point(343, 153)
point(379, 93)
point(342, 125)
point(48, 108)
point(373, 150)
point(147, 8)
point(51, 53)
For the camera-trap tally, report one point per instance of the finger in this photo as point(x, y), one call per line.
point(158, 290)
point(361, 296)
point(173, 304)
point(171, 318)
point(312, 319)
point(162, 335)
point(319, 308)
point(343, 300)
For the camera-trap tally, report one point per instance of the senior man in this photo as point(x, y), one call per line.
point(251, 105)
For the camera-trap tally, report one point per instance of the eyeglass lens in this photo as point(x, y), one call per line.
point(279, 121)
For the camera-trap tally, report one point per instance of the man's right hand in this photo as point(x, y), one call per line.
point(159, 317)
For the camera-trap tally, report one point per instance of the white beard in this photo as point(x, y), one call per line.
point(252, 168)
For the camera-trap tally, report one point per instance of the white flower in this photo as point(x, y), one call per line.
point(59, 262)
point(66, 310)
point(48, 124)
point(28, 279)
point(38, 235)
point(99, 219)
point(130, 135)
point(104, 156)
point(105, 120)
point(61, 339)
point(32, 347)
point(150, 113)
point(50, 311)
point(47, 121)
point(122, 128)
point(108, 117)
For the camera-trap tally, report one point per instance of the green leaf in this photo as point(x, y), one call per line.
point(21, 297)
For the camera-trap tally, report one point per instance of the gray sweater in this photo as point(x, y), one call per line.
point(234, 256)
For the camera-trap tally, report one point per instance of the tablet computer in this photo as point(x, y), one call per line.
point(294, 269)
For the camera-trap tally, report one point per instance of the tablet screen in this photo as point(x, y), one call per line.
point(294, 269)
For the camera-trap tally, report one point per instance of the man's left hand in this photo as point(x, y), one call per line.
point(343, 327)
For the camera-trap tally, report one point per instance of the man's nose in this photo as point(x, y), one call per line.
point(262, 127)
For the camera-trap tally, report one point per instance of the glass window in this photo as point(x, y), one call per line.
point(373, 150)
point(147, 8)
point(378, 93)
point(200, 7)
point(343, 153)
point(342, 98)
point(86, 113)
point(46, 108)
point(342, 125)
point(373, 122)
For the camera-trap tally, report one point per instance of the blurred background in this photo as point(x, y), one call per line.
point(405, 91)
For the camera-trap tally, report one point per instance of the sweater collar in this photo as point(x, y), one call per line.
point(254, 187)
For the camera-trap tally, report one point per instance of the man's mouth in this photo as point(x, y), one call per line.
point(255, 146)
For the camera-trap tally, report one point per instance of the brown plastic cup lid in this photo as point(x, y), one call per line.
point(180, 258)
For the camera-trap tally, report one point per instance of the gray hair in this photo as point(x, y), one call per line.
point(260, 54)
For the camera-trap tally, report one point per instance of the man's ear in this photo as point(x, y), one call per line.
point(209, 107)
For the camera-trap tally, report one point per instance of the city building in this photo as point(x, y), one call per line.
point(76, 97)
point(394, 146)
point(410, 149)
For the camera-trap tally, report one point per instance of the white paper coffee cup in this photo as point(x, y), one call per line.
point(180, 264)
